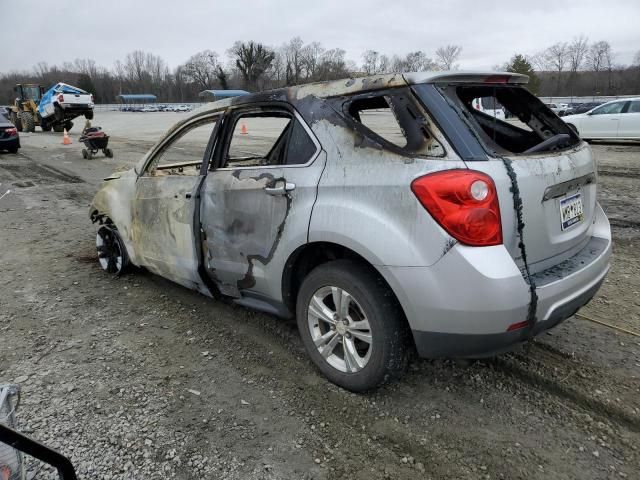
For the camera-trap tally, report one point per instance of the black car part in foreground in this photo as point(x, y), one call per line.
point(28, 446)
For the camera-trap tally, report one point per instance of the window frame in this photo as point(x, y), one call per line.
point(232, 117)
point(492, 148)
point(392, 97)
point(179, 132)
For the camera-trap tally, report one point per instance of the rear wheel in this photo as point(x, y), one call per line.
point(28, 123)
point(112, 254)
point(108, 152)
point(84, 153)
point(45, 127)
point(352, 326)
point(89, 115)
point(13, 149)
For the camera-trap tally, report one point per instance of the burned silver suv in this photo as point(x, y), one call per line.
point(384, 213)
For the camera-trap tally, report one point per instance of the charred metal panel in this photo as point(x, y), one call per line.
point(163, 232)
point(240, 224)
point(114, 203)
point(366, 204)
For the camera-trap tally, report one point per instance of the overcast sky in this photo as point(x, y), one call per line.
point(490, 31)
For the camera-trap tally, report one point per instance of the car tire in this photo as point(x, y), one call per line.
point(112, 254)
point(46, 127)
point(58, 128)
point(27, 121)
point(370, 339)
point(13, 150)
point(89, 115)
point(84, 153)
point(108, 152)
point(58, 113)
point(15, 119)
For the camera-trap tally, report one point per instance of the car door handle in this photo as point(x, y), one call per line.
point(188, 195)
point(282, 189)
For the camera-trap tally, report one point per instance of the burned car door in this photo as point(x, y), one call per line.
point(165, 203)
point(258, 195)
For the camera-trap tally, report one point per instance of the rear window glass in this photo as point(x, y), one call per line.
point(529, 127)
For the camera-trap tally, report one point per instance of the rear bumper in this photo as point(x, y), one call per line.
point(441, 344)
point(464, 303)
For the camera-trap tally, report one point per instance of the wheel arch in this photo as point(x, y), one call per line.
point(311, 255)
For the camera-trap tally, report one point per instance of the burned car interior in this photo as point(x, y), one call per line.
point(538, 130)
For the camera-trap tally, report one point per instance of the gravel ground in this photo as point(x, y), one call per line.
point(136, 377)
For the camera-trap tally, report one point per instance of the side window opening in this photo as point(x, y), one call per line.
point(267, 139)
point(376, 114)
point(528, 124)
point(184, 153)
point(395, 118)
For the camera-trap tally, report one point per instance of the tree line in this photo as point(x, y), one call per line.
point(573, 68)
point(577, 68)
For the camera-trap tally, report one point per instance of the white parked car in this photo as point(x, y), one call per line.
point(618, 119)
point(182, 108)
point(150, 108)
point(490, 106)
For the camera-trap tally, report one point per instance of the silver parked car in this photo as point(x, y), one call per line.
point(384, 213)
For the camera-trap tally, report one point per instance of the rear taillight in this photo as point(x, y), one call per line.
point(61, 98)
point(11, 131)
point(92, 101)
point(464, 203)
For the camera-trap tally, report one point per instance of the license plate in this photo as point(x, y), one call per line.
point(571, 211)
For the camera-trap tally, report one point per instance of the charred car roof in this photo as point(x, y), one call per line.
point(351, 86)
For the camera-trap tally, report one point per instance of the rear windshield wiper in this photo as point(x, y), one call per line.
point(549, 143)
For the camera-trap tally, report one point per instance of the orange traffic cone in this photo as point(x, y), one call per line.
point(65, 139)
point(243, 129)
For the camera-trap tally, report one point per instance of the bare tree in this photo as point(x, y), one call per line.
point(577, 51)
point(447, 56)
point(597, 57)
point(253, 59)
point(311, 55)
point(332, 65)
point(202, 68)
point(294, 60)
point(373, 62)
point(557, 56)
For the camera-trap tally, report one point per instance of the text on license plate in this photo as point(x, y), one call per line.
point(571, 211)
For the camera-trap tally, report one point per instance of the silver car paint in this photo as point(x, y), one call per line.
point(364, 203)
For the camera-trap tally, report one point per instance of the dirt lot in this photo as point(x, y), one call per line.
point(135, 377)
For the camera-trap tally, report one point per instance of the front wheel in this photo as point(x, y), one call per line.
point(112, 255)
point(352, 326)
